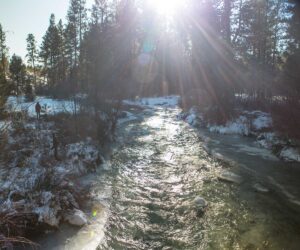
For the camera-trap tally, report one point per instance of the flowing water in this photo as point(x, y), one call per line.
point(146, 198)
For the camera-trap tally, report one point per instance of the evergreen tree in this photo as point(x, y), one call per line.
point(61, 49)
point(294, 22)
point(47, 50)
point(32, 54)
point(76, 28)
point(4, 84)
point(292, 65)
point(17, 71)
point(52, 53)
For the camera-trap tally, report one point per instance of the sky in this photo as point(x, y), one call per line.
point(21, 17)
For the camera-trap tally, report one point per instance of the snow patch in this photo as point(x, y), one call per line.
point(247, 123)
point(290, 154)
point(261, 120)
point(166, 101)
point(239, 126)
point(49, 106)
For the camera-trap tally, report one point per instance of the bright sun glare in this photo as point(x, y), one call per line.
point(166, 7)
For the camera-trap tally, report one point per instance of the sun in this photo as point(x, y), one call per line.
point(166, 7)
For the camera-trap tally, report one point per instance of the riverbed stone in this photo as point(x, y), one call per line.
point(230, 177)
point(200, 202)
point(200, 205)
point(260, 188)
point(76, 218)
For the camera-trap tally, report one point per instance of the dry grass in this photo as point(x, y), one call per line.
point(13, 226)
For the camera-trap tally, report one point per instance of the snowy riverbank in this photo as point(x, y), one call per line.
point(256, 124)
point(35, 183)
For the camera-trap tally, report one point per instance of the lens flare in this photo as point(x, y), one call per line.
point(166, 7)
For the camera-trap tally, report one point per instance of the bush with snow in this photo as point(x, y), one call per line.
point(31, 171)
point(239, 126)
point(192, 117)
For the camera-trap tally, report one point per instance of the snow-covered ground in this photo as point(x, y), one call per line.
point(32, 181)
point(49, 106)
point(290, 154)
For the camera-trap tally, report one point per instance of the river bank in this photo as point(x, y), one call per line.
point(42, 164)
point(254, 124)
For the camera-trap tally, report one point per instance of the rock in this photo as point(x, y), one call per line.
point(48, 215)
point(260, 188)
point(230, 177)
point(200, 203)
point(76, 218)
point(290, 154)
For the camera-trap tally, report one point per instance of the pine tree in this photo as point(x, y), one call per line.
point(52, 51)
point(46, 50)
point(292, 65)
point(76, 27)
point(4, 84)
point(32, 54)
point(17, 71)
point(61, 48)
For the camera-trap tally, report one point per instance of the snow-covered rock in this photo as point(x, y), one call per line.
point(47, 208)
point(48, 215)
point(76, 218)
point(290, 154)
point(267, 140)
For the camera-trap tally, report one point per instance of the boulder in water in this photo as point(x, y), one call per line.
point(200, 202)
point(260, 188)
point(230, 177)
point(200, 205)
point(76, 218)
